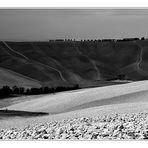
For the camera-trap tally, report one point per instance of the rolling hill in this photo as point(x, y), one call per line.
point(11, 78)
point(57, 63)
point(125, 98)
point(85, 98)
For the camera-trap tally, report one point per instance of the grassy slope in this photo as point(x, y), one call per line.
point(11, 78)
point(78, 62)
point(14, 62)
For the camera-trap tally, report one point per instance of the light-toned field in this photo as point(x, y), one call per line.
point(124, 98)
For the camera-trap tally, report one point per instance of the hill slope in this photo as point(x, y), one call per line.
point(87, 98)
point(68, 62)
point(125, 98)
point(11, 78)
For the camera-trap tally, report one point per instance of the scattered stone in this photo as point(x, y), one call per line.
point(107, 127)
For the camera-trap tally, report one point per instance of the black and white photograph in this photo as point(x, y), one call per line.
point(76, 74)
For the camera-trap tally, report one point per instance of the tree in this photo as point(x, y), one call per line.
point(27, 91)
point(21, 90)
point(121, 77)
point(46, 90)
point(5, 91)
point(16, 90)
point(142, 38)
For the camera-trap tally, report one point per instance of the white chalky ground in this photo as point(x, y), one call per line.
point(112, 112)
point(115, 127)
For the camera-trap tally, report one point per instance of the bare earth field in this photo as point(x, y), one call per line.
point(131, 97)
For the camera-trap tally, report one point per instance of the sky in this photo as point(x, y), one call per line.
point(46, 24)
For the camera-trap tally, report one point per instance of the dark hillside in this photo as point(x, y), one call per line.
point(76, 62)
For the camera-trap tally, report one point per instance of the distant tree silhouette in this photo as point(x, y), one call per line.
point(142, 38)
point(52, 90)
point(46, 90)
point(121, 76)
point(21, 90)
point(5, 91)
point(130, 39)
point(108, 40)
point(15, 90)
point(35, 91)
point(27, 91)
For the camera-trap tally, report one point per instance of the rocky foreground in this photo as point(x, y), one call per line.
point(106, 127)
